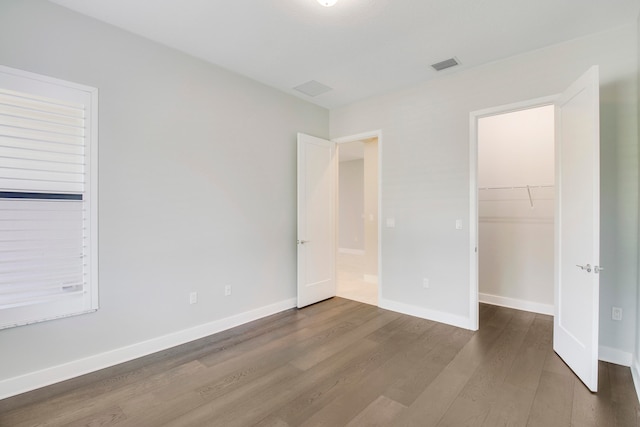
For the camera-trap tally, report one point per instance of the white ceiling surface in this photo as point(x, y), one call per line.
point(359, 48)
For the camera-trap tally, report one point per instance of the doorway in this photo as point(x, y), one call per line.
point(476, 117)
point(516, 209)
point(318, 226)
point(576, 221)
point(358, 227)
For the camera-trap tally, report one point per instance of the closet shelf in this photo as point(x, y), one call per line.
point(522, 187)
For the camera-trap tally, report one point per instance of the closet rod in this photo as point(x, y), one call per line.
point(524, 187)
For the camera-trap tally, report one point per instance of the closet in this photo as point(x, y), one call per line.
point(516, 209)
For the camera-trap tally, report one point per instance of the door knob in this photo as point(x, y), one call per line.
point(302, 242)
point(585, 267)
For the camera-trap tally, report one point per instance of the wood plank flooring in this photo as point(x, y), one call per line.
point(343, 363)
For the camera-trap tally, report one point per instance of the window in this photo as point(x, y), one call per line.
point(48, 198)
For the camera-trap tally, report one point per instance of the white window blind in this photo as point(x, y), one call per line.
point(47, 191)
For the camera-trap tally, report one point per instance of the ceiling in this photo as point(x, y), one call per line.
point(359, 48)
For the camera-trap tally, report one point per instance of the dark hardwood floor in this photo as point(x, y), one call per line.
point(343, 363)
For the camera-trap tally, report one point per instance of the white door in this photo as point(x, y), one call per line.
point(577, 256)
point(317, 178)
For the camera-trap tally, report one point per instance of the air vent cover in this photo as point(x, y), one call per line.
point(313, 88)
point(448, 63)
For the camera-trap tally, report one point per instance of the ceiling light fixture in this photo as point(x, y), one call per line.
point(327, 3)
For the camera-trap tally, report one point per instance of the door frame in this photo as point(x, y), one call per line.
point(474, 117)
point(354, 138)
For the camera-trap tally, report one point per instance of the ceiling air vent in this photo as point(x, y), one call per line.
point(448, 63)
point(313, 88)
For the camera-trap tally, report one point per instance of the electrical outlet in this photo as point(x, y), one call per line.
point(616, 313)
point(425, 283)
point(227, 290)
point(193, 297)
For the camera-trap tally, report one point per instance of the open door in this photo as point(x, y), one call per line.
point(577, 254)
point(317, 179)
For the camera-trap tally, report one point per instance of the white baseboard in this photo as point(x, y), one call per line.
point(518, 304)
point(613, 355)
point(635, 373)
point(33, 380)
point(351, 251)
point(425, 313)
point(369, 278)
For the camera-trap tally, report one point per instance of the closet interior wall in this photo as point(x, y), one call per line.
point(516, 209)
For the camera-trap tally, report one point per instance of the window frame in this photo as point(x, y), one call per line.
point(40, 85)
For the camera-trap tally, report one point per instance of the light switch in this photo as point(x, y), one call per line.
point(458, 224)
point(391, 222)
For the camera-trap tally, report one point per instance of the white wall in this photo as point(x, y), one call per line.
point(515, 240)
point(197, 185)
point(636, 360)
point(371, 210)
point(517, 148)
point(425, 173)
point(351, 205)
